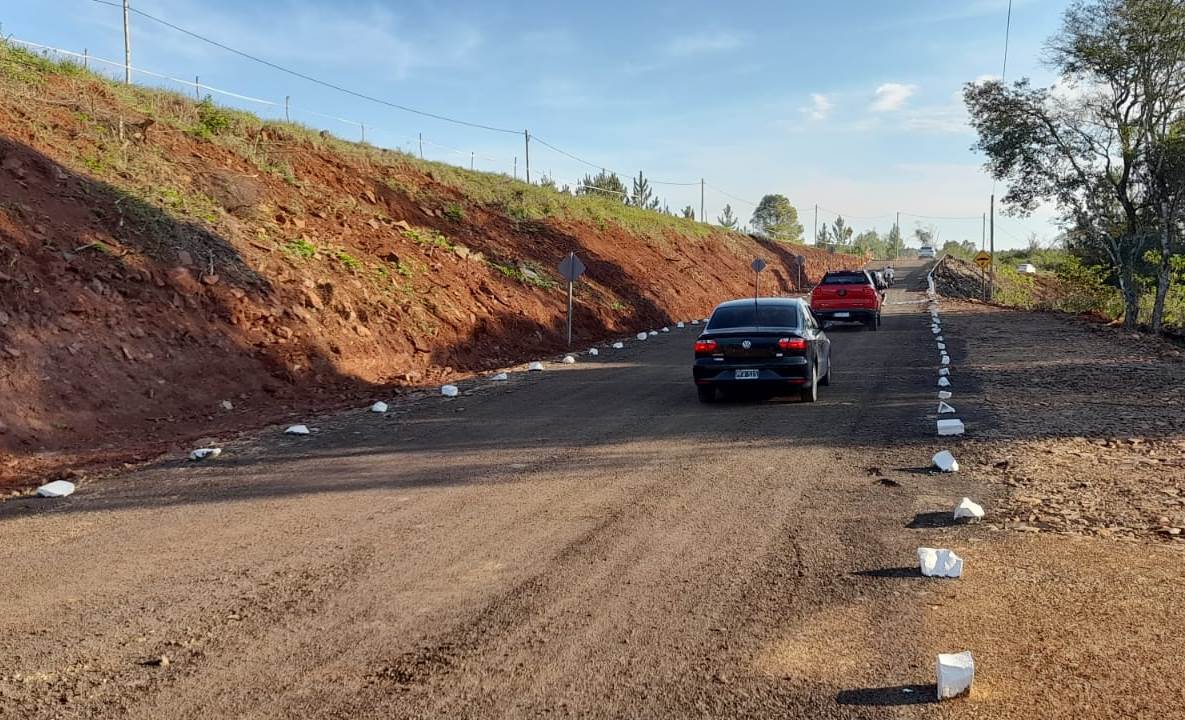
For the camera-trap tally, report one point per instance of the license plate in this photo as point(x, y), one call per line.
point(843, 314)
point(746, 374)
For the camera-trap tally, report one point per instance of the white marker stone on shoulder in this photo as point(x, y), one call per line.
point(535, 366)
point(500, 377)
point(945, 461)
point(642, 336)
point(618, 345)
point(939, 562)
point(956, 673)
point(569, 360)
point(449, 390)
point(594, 352)
point(56, 489)
point(297, 430)
point(205, 453)
point(968, 510)
point(950, 427)
point(379, 407)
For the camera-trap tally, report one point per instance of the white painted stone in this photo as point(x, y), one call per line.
point(449, 390)
point(680, 324)
point(228, 405)
point(695, 322)
point(946, 359)
point(944, 372)
point(205, 453)
point(594, 352)
point(940, 562)
point(943, 382)
point(944, 394)
point(934, 329)
point(950, 427)
point(297, 430)
point(666, 329)
point(939, 339)
point(968, 510)
point(569, 360)
point(500, 377)
point(956, 673)
point(56, 489)
point(652, 333)
point(642, 336)
point(945, 462)
point(618, 345)
point(944, 409)
point(941, 346)
point(535, 366)
point(379, 407)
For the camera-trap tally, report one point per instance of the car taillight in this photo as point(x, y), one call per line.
point(792, 344)
point(705, 347)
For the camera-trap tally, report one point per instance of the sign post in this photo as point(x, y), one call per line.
point(570, 269)
point(984, 261)
point(801, 269)
point(758, 265)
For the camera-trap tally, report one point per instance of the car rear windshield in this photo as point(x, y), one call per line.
point(750, 315)
point(845, 278)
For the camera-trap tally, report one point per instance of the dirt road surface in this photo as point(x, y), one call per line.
point(589, 542)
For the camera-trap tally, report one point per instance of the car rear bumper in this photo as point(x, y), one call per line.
point(844, 314)
point(786, 371)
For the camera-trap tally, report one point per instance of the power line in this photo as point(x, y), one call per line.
point(733, 197)
point(310, 78)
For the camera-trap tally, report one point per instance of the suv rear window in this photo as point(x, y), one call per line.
point(760, 315)
point(844, 278)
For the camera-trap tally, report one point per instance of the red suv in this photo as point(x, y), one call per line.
point(847, 296)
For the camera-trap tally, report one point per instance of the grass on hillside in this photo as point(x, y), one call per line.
point(240, 132)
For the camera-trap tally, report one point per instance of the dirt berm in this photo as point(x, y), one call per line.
point(170, 269)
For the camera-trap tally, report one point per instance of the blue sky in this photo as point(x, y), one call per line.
point(849, 104)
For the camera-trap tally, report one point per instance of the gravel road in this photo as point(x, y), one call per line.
point(589, 541)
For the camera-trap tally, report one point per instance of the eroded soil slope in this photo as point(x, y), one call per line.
point(168, 269)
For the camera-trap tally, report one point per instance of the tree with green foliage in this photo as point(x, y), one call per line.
point(823, 237)
point(642, 195)
point(688, 213)
point(841, 232)
point(870, 242)
point(548, 182)
point(605, 184)
point(893, 240)
point(727, 219)
point(776, 218)
point(1097, 151)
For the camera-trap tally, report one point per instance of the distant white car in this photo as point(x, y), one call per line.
point(925, 251)
point(1027, 268)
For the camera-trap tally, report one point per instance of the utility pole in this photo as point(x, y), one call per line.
point(815, 237)
point(470, 159)
point(361, 125)
point(701, 201)
point(516, 167)
point(197, 87)
point(421, 146)
point(897, 242)
point(85, 58)
point(287, 99)
point(127, 47)
point(992, 240)
point(527, 145)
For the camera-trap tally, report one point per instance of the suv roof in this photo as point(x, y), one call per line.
point(845, 277)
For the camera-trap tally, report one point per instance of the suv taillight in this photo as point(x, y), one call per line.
point(705, 347)
point(792, 344)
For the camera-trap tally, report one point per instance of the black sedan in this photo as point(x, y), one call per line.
point(774, 344)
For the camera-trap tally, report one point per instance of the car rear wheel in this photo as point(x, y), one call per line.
point(810, 391)
point(707, 393)
point(826, 379)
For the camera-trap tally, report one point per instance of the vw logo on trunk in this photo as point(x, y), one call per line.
point(746, 344)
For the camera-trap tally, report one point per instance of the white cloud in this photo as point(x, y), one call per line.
point(819, 108)
point(702, 43)
point(891, 96)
